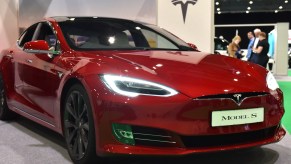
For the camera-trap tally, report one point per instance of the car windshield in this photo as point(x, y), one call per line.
point(116, 34)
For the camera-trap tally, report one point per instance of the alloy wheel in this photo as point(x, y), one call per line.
point(76, 124)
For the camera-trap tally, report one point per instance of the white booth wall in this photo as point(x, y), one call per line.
point(8, 23)
point(33, 10)
point(281, 49)
point(198, 27)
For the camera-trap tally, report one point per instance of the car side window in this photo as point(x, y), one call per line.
point(27, 35)
point(46, 33)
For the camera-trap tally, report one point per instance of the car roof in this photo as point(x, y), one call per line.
point(92, 18)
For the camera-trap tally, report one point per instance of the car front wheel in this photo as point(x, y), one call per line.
point(78, 124)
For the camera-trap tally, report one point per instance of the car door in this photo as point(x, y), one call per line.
point(40, 80)
point(19, 62)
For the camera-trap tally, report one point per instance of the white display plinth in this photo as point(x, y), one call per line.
point(281, 49)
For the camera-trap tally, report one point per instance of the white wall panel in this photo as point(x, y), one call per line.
point(8, 23)
point(199, 24)
point(34, 10)
point(198, 27)
point(281, 49)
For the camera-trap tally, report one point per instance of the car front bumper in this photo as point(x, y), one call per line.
point(182, 124)
point(161, 151)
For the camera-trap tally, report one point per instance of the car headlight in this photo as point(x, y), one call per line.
point(133, 87)
point(271, 81)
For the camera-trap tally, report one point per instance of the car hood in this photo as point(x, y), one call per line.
point(193, 73)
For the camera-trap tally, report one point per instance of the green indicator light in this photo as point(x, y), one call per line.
point(123, 133)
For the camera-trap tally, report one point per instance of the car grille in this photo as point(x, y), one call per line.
point(160, 138)
point(236, 97)
point(230, 96)
point(228, 139)
point(152, 137)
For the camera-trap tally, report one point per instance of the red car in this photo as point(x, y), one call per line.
point(114, 86)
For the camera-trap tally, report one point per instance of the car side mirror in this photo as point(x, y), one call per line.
point(193, 46)
point(39, 47)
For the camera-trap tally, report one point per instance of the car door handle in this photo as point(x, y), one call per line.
point(29, 61)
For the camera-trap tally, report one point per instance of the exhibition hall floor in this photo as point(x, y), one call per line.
point(25, 142)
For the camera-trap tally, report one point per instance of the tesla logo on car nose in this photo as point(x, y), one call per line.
point(184, 5)
point(238, 97)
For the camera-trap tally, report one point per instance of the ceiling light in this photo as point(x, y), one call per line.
point(280, 7)
point(249, 8)
point(286, 1)
point(276, 11)
point(251, 2)
point(247, 11)
point(217, 3)
point(218, 9)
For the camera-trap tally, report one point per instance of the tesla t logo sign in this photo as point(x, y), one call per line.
point(184, 6)
point(238, 97)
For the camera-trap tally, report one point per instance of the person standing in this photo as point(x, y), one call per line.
point(234, 49)
point(260, 55)
point(251, 44)
point(256, 41)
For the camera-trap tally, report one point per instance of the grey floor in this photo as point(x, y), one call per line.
point(24, 142)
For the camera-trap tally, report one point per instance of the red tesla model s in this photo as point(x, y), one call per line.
point(115, 86)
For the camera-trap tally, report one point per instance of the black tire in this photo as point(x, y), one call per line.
point(5, 112)
point(79, 130)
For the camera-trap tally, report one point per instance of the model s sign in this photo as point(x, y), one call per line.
point(184, 6)
point(237, 117)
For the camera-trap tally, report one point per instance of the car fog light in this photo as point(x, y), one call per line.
point(123, 133)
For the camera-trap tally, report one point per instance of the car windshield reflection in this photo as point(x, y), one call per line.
point(104, 34)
